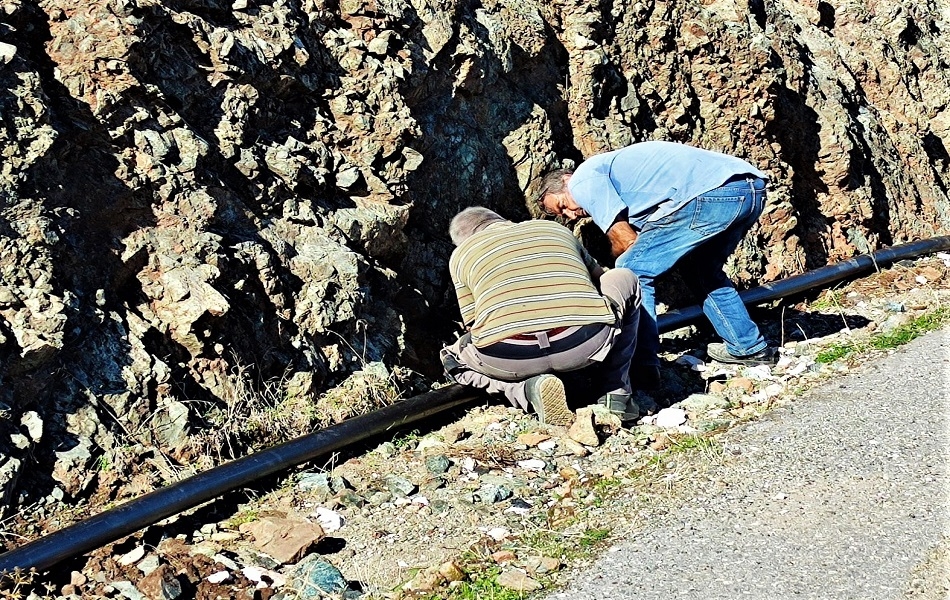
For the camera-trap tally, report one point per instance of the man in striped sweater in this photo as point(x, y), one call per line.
point(535, 303)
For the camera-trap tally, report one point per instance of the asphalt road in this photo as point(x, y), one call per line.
point(843, 494)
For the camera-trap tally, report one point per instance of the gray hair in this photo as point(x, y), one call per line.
point(471, 220)
point(552, 183)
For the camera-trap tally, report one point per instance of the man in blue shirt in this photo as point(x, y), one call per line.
point(660, 202)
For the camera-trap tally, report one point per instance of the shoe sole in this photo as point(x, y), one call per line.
point(554, 402)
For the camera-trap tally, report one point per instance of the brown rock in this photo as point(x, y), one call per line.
point(573, 447)
point(533, 438)
point(503, 556)
point(286, 540)
point(582, 430)
point(161, 584)
point(426, 580)
point(743, 383)
point(518, 581)
point(542, 564)
point(452, 571)
point(662, 442)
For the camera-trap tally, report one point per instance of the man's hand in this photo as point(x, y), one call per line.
point(621, 236)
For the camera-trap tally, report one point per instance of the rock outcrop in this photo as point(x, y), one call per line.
point(200, 196)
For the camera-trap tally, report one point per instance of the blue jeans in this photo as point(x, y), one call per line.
point(703, 233)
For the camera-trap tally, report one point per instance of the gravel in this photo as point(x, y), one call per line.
point(843, 494)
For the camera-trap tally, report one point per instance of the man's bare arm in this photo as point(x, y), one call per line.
point(621, 236)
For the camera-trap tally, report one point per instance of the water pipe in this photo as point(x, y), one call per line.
point(113, 524)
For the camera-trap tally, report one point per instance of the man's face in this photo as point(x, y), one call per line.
point(563, 205)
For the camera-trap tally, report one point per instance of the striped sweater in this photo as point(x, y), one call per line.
point(517, 278)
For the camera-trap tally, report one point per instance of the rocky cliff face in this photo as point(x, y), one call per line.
point(199, 198)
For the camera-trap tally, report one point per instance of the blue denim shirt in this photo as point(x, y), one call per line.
point(650, 179)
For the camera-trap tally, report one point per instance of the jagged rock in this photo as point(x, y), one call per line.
point(438, 464)
point(161, 584)
point(582, 430)
point(170, 424)
point(250, 189)
point(313, 578)
point(9, 473)
point(33, 424)
point(698, 404)
point(286, 540)
point(400, 487)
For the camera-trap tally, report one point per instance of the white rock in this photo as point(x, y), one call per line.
point(547, 445)
point(518, 510)
point(759, 373)
point(257, 574)
point(132, 556)
point(798, 369)
point(498, 533)
point(532, 464)
point(328, 519)
point(670, 417)
point(430, 442)
point(34, 425)
point(219, 577)
point(7, 52)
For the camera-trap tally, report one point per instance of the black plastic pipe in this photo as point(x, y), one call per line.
point(812, 279)
point(128, 518)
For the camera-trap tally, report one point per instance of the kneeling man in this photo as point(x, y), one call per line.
point(534, 304)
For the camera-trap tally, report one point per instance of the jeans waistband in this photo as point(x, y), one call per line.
point(534, 350)
point(744, 178)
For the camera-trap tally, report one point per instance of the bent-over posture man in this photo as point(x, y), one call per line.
point(661, 204)
point(535, 304)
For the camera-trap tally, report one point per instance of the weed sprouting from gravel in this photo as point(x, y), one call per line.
point(887, 341)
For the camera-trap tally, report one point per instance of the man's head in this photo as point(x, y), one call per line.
point(471, 220)
point(555, 199)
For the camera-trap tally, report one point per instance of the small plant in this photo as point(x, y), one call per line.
point(835, 352)
point(406, 440)
point(246, 516)
point(593, 537)
point(887, 341)
point(829, 299)
point(484, 587)
point(913, 330)
point(103, 464)
point(16, 584)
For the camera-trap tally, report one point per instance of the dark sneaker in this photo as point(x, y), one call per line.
point(718, 353)
point(645, 377)
point(547, 398)
point(621, 405)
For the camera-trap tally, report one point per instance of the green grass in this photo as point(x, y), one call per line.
point(246, 516)
point(409, 439)
point(485, 587)
point(887, 341)
point(828, 300)
point(593, 537)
